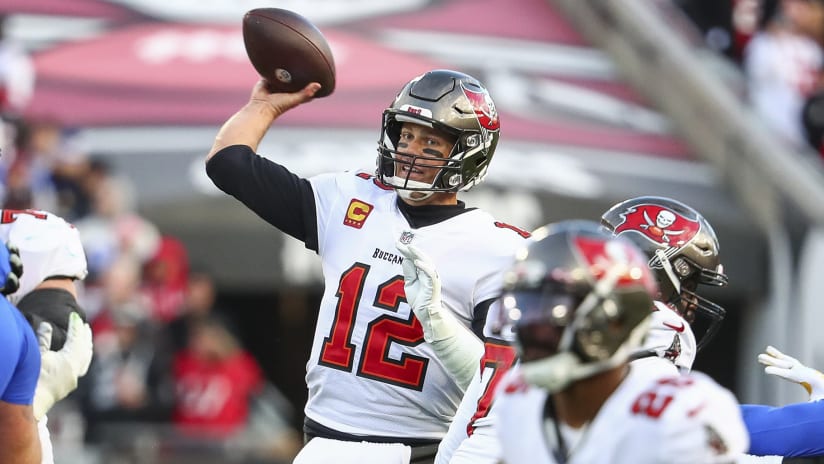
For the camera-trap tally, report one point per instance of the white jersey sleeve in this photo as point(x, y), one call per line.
point(49, 247)
point(326, 201)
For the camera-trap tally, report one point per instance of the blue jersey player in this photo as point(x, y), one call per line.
point(19, 371)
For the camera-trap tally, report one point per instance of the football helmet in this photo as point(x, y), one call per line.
point(454, 103)
point(578, 301)
point(682, 249)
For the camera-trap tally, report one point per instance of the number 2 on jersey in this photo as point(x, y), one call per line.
point(652, 403)
point(338, 352)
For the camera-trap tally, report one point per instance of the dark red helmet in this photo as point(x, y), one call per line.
point(577, 299)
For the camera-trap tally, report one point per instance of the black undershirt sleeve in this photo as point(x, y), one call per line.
point(479, 319)
point(274, 193)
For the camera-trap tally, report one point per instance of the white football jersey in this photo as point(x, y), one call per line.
point(49, 247)
point(649, 418)
point(370, 372)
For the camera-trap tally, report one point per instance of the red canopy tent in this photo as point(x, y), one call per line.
point(156, 73)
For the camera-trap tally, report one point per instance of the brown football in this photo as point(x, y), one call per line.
point(288, 50)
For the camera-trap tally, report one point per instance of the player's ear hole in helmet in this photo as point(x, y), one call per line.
point(578, 300)
point(458, 106)
point(683, 251)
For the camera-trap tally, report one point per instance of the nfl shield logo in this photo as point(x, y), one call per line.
point(406, 237)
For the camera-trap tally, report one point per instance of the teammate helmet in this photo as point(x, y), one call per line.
point(682, 249)
point(454, 103)
point(578, 301)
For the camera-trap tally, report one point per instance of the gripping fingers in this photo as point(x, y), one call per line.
point(409, 270)
point(774, 352)
point(774, 357)
point(777, 362)
point(422, 262)
point(427, 267)
point(15, 260)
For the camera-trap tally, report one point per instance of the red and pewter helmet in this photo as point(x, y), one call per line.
point(578, 301)
point(454, 103)
point(682, 249)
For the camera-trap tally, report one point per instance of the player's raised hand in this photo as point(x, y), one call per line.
point(281, 102)
point(423, 293)
point(789, 368)
point(458, 349)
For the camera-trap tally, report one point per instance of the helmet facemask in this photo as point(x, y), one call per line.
point(395, 167)
point(680, 280)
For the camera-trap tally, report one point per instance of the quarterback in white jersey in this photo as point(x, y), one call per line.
point(53, 259)
point(367, 342)
point(578, 301)
point(382, 384)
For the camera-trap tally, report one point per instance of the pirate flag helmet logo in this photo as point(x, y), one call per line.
point(681, 247)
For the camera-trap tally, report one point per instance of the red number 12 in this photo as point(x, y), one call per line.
point(338, 352)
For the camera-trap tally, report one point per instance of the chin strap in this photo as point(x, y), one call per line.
point(456, 346)
point(667, 266)
point(411, 195)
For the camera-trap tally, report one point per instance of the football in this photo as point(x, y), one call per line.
point(288, 50)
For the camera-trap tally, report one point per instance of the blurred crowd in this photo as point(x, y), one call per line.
point(778, 45)
point(171, 379)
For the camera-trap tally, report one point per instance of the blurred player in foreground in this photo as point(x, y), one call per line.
point(578, 300)
point(19, 369)
point(52, 260)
